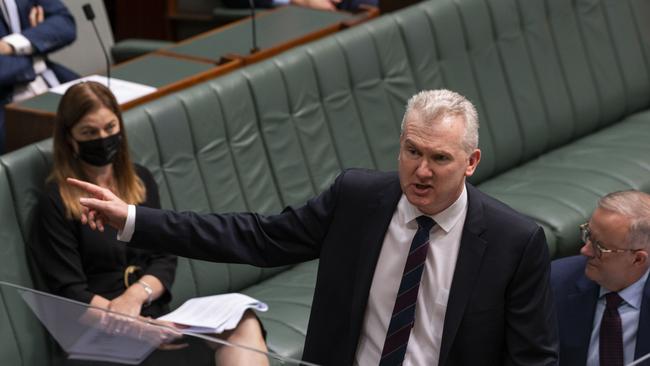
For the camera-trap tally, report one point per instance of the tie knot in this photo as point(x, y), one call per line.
point(613, 300)
point(425, 222)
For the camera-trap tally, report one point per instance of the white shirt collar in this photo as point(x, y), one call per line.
point(446, 218)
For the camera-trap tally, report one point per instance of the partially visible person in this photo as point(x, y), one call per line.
point(87, 266)
point(351, 5)
point(29, 30)
point(603, 296)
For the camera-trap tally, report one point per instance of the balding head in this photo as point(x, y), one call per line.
point(634, 205)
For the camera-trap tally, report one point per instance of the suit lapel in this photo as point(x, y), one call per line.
point(378, 216)
point(581, 307)
point(470, 254)
point(643, 333)
point(4, 21)
point(22, 7)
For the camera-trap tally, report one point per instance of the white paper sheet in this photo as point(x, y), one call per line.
point(213, 314)
point(124, 91)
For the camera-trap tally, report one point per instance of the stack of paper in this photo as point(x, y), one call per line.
point(213, 314)
point(124, 91)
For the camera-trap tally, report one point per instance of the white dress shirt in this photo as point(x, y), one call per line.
point(129, 226)
point(444, 242)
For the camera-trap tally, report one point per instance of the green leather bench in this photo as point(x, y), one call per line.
point(562, 88)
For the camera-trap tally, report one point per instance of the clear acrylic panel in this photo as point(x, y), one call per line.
point(85, 332)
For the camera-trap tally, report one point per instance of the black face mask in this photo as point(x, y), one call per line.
point(100, 152)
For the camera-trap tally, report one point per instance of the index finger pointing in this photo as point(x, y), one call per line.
point(93, 189)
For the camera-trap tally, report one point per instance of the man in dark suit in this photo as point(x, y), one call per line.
point(29, 30)
point(479, 297)
point(603, 296)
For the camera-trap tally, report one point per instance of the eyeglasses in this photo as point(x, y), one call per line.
point(596, 245)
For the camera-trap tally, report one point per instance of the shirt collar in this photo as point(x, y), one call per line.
point(446, 218)
point(633, 294)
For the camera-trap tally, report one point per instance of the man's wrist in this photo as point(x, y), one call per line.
point(6, 49)
point(21, 46)
point(126, 233)
point(39, 65)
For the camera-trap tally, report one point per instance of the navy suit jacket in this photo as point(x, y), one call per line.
point(576, 297)
point(499, 311)
point(57, 31)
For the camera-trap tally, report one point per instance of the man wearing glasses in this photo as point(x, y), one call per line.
point(603, 296)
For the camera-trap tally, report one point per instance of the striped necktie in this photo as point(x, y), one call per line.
point(403, 317)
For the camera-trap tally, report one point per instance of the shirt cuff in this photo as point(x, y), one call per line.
point(126, 233)
point(22, 46)
point(39, 65)
point(281, 2)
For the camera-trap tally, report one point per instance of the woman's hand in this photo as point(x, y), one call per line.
point(130, 302)
point(124, 310)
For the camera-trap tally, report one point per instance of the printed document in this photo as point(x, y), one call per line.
point(213, 314)
point(124, 91)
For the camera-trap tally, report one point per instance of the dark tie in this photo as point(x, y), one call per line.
point(611, 333)
point(403, 318)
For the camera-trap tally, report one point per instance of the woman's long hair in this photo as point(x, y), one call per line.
point(78, 101)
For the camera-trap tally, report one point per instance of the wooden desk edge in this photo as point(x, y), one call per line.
point(39, 128)
point(21, 130)
point(185, 83)
point(370, 12)
point(209, 33)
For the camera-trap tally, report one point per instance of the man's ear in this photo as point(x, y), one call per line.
point(474, 159)
point(641, 257)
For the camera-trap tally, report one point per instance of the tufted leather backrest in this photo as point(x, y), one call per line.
point(200, 165)
point(541, 73)
point(22, 176)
